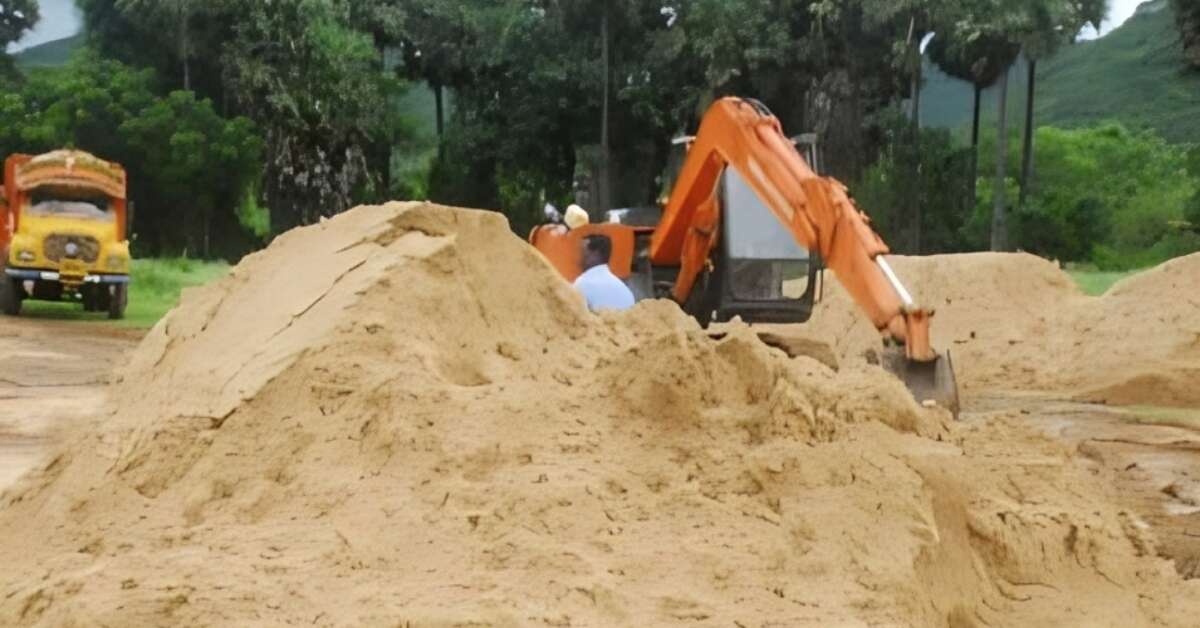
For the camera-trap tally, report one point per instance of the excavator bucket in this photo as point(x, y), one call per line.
point(929, 382)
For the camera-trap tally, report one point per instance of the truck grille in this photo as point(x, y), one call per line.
point(85, 249)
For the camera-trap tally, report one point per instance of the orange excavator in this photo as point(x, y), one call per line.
point(746, 231)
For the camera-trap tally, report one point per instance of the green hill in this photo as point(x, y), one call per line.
point(1136, 75)
point(49, 54)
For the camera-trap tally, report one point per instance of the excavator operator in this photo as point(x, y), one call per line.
point(599, 286)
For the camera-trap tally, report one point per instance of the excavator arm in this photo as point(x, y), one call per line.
point(817, 211)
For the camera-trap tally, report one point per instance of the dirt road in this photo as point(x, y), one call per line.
point(51, 372)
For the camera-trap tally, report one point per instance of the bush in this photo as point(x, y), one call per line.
point(1101, 194)
point(1174, 244)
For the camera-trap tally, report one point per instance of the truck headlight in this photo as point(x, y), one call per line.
point(26, 256)
point(118, 262)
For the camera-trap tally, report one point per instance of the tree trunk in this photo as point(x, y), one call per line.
point(185, 51)
point(1027, 146)
point(973, 182)
point(605, 190)
point(915, 187)
point(999, 205)
point(437, 99)
point(975, 119)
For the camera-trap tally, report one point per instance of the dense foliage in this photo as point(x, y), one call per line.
point(228, 112)
point(1187, 16)
point(1104, 195)
point(16, 18)
point(941, 187)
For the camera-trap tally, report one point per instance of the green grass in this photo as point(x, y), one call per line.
point(154, 289)
point(1188, 418)
point(1097, 282)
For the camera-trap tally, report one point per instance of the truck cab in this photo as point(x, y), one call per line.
point(63, 226)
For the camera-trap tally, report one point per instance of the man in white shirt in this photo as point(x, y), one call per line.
point(602, 289)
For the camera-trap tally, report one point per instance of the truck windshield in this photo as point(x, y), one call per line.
point(91, 208)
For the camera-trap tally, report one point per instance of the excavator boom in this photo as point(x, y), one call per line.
point(742, 134)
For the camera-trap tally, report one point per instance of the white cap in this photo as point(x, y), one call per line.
point(576, 217)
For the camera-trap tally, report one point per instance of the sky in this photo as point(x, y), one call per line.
point(1118, 12)
point(60, 18)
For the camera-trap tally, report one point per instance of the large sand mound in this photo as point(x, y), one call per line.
point(402, 417)
point(1018, 322)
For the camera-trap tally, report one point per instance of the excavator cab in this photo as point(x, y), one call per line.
point(762, 275)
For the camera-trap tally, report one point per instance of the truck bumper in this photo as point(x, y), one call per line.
point(49, 275)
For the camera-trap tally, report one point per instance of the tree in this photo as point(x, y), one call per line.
point(312, 74)
point(198, 166)
point(980, 59)
point(1191, 212)
point(986, 34)
point(1187, 16)
point(435, 46)
point(81, 105)
point(999, 192)
point(179, 39)
point(172, 20)
point(16, 18)
point(1048, 25)
point(528, 101)
point(1106, 196)
point(886, 188)
point(315, 84)
point(532, 88)
point(979, 44)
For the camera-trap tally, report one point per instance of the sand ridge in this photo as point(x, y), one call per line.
point(1018, 322)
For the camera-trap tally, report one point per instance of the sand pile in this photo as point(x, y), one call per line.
point(403, 417)
point(1018, 322)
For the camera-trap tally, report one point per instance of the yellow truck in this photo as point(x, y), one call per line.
point(63, 226)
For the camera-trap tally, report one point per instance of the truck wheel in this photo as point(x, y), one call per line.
point(10, 296)
point(89, 300)
point(118, 301)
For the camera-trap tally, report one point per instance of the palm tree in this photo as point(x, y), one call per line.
point(980, 61)
point(1048, 25)
point(174, 17)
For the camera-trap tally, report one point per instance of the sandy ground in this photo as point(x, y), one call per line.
point(1154, 470)
point(408, 438)
point(56, 373)
point(52, 373)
